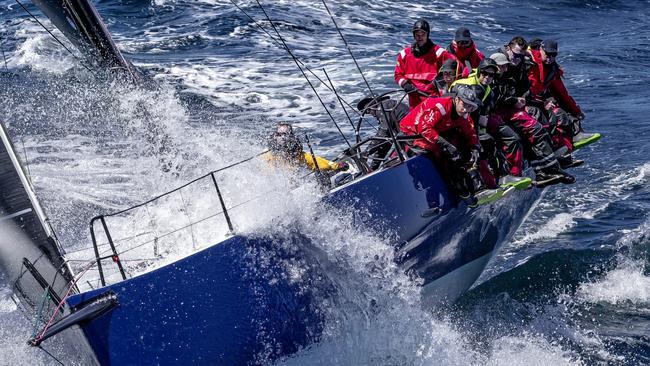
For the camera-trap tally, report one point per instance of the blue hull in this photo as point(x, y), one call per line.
point(226, 306)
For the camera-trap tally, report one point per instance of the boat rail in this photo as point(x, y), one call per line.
point(113, 254)
point(106, 247)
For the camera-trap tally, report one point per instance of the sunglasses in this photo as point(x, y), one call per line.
point(463, 43)
point(551, 54)
point(490, 74)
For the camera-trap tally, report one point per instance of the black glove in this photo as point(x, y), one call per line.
point(476, 154)
point(409, 87)
point(448, 149)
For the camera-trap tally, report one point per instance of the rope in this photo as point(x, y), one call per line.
point(39, 313)
point(295, 60)
point(60, 305)
point(51, 355)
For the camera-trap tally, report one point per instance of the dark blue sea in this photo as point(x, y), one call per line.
point(573, 287)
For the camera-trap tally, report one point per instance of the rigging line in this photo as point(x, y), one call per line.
point(62, 303)
point(22, 141)
point(51, 355)
point(53, 36)
point(280, 44)
point(338, 97)
point(302, 72)
point(348, 47)
point(381, 105)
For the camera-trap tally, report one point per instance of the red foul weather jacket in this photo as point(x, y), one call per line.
point(436, 117)
point(546, 81)
point(469, 57)
point(420, 71)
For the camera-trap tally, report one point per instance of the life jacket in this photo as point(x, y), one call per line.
point(483, 92)
point(305, 159)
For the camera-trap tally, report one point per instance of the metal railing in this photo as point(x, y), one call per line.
point(112, 252)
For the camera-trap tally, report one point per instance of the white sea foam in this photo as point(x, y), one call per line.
point(6, 304)
point(39, 51)
point(626, 283)
point(530, 351)
point(581, 203)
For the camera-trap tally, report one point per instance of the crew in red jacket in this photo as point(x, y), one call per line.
point(545, 78)
point(552, 105)
point(464, 48)
point(418, 65)
point(448, 134)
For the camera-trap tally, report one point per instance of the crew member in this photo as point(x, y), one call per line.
point(285, 148)
point(389, 114)
point(510, 90)
point(418, 65)
point(449, 72)
point(448, 135)
point(464, 48)
point(545, 78)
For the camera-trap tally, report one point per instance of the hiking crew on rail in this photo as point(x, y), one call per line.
point(522, 110)
point(479, 119)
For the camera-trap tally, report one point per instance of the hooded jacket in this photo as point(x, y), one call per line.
point(420, 70)
point(546, 81)
point(469, 56)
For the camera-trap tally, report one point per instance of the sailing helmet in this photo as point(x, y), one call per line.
point(284, 143)
point(423, 25)
point(487, 65)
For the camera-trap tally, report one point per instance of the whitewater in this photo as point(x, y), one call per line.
point(573, 287)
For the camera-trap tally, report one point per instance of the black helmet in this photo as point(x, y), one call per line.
point(284, 143)
point(487, 65)
point(421, 24)
point(468, 96)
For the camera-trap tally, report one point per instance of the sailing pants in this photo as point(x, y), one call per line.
point(509, 141)
point(557, 123)
point(538, 145)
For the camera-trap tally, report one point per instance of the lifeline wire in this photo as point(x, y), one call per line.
point(339, 98)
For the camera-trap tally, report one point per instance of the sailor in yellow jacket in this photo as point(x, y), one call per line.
point(286, 149)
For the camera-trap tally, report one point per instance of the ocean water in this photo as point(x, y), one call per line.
point(573, 287)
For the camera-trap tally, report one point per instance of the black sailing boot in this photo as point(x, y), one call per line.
point(553, 175)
